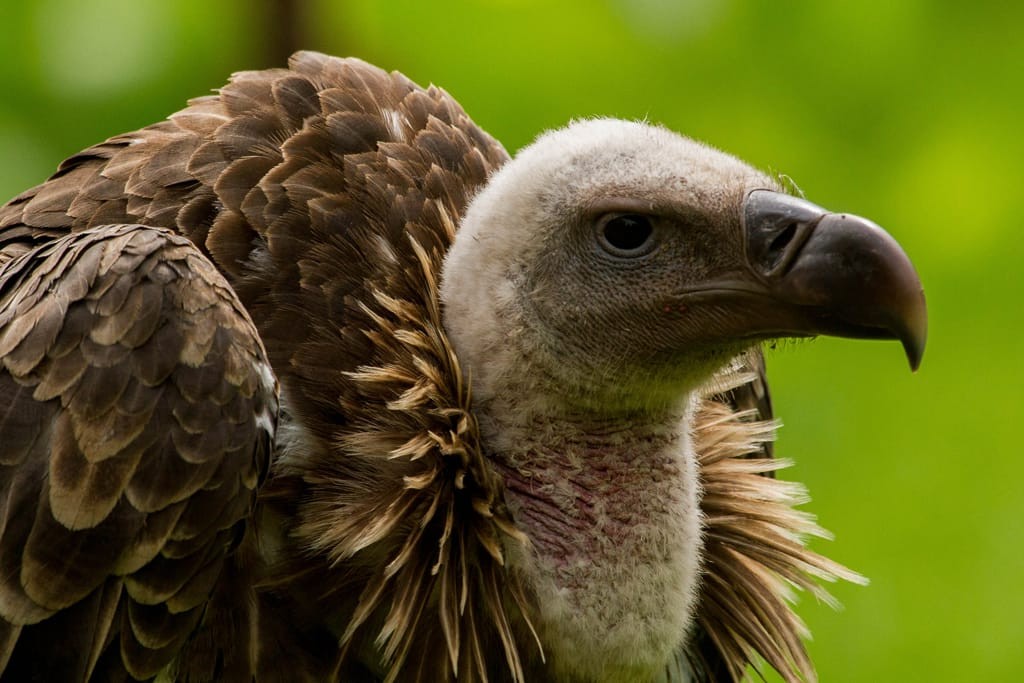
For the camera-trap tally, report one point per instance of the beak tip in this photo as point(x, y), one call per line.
point(914, 354)
point(915, 333)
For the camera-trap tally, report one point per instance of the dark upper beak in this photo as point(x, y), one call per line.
point(837, 274)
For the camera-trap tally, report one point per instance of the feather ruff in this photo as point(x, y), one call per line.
point(755, 551)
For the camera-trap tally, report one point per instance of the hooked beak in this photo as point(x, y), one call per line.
point(835, 274)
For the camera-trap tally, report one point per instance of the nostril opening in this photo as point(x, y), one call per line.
point(783, 239)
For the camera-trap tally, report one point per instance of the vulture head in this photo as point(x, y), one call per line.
point(596, 283)
point(627, 263)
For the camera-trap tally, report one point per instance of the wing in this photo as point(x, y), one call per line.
point(327, 194)
point(136, 412)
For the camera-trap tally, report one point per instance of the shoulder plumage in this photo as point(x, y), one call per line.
point(302, 185)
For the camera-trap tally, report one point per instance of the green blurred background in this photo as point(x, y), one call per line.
point(905, 111)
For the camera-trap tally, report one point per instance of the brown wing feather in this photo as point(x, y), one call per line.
point(135, 404)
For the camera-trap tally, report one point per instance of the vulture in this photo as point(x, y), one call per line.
point(312, 382)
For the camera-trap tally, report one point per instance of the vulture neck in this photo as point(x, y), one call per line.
point(610, 502)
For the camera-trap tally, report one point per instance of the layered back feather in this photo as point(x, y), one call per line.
point(328, 193)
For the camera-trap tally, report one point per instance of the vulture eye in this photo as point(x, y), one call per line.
point(627, 235)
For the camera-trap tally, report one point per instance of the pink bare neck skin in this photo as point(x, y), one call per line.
point(610, 507)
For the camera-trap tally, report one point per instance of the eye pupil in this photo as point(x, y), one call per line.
point(627, 234)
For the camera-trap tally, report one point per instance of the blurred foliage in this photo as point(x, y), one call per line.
point(908, 112)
